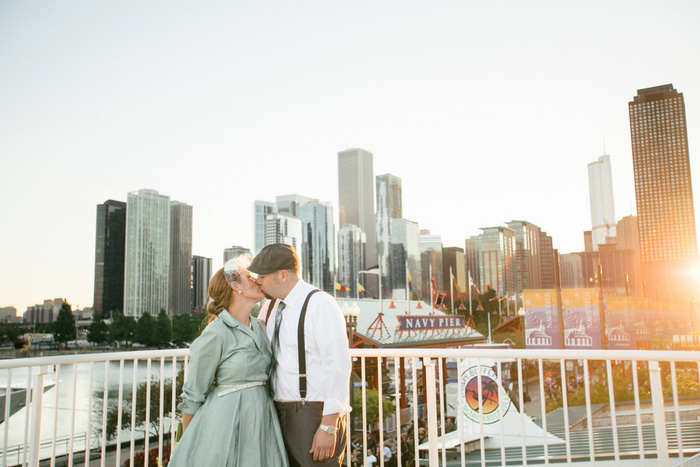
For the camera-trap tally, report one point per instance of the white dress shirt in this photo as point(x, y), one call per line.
point(328, 363)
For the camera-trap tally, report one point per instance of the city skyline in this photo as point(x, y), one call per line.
point(489, 114)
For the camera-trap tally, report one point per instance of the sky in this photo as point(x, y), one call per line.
point(487, 111)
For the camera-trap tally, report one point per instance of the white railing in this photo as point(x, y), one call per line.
point(77, 402)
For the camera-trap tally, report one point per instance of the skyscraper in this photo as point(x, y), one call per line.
point(180, 288)
point(453, 260)
point(527, 255)
point(430, 259)
point(147, 253)
point(317, 254)
point(495, 257)
point(260, 210)
point(201, 274)
point(405, 253)
point(356, 197)
point(109, 256)
point(235, 251)
point(351, 241)
point(388, 208)
point(662, 181)
point(284, 228)
point(600, 190)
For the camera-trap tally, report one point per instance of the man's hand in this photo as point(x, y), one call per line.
point(323, 446)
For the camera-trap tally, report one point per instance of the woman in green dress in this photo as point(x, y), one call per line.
point(232, 422)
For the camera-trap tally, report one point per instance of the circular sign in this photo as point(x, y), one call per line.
point(495, 400)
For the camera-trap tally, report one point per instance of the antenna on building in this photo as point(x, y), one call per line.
point(604, 151)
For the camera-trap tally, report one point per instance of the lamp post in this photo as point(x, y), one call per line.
point(351, 313)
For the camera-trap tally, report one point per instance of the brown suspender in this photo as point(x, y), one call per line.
point(301, 345)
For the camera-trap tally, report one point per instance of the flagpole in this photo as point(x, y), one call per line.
point(470, 292)
point(452, 299)
point(430, 269)
point(408, 298)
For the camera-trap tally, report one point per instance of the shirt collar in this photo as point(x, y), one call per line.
point(232, 322)
point(297, 293)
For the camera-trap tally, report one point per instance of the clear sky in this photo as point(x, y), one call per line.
point(488, 112)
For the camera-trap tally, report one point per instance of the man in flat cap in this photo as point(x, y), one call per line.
point(311, 385)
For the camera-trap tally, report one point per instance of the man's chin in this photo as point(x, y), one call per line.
point(268, 296)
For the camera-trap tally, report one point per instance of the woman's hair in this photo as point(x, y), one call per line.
point(220, 293)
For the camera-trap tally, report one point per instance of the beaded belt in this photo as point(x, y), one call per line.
point(230, 388)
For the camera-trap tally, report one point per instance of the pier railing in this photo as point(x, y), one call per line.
point(599, 406)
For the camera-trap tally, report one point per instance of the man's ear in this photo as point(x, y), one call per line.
point(284, 274)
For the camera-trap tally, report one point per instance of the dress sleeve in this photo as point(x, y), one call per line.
point(205, 354)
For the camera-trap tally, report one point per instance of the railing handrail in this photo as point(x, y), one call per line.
point(545, 354)
point(91, 357)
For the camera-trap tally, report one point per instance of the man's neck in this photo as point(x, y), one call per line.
point(291, 287)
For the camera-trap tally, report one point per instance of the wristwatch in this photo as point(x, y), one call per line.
point(327, 428)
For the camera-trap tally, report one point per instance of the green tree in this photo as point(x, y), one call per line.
point(122, 329)
point(145, 330)
point(64, 328)
point(371, 406)
point(154, 408)
point(163, 331)
point(9, 331)
point(185, 327)
point(97, 331)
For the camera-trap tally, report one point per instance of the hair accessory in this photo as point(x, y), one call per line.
point(234, 267)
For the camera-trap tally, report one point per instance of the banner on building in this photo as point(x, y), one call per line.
point(429, 322)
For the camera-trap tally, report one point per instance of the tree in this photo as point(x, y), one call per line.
point(145, 328)
point(64, 328)
point(97, 331)
point(140, 418)
point(185, 327)
point(371, 406)
point(163, 329)
point(123, 328)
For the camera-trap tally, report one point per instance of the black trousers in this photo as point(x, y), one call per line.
point(299, 423)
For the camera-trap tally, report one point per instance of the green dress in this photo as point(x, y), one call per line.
point(235, 423)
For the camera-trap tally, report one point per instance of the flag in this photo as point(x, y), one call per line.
point(339, 286)
point(408, 277)
point(360, 288)
point(472, 284)
point(494, 299)
point(434, 285)
point(454, 281)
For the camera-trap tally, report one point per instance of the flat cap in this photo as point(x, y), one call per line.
point(275, 257)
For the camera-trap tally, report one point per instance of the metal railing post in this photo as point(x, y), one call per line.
point(657, 398)
point(432, 411)
point(34, 446)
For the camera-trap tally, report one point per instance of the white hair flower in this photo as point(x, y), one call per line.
point(234, 267)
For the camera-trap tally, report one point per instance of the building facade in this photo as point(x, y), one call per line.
point(388, 208)
point(317, 254)
point(453, 260)
point(235, 251)
point(110, 238)
point(201, 274)
point(600, 189)
point(495, 257)
point(663, 189)
point(147, 253)
point(351, 243)
point(180, 287)
point(356, 197)
point(44, 313)
point(527, 255)
point(260, 210)
point(405, 258)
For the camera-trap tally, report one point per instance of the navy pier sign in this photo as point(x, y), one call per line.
point(429, 322)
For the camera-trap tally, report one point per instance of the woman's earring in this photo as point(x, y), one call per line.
point(240, 292)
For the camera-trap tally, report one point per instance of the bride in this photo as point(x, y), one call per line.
point(233, 423)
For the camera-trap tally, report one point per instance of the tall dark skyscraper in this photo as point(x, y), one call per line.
point(180, 287)
point(666, 216)
point(356, 206)
point(109, 256)
point(201, 273)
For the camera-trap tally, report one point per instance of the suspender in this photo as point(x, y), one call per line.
point(300, 342)
point(269, 310)
point(302, 348)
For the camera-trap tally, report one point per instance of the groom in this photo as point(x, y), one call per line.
point(307, 332)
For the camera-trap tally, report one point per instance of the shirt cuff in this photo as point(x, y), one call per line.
point(335, 406)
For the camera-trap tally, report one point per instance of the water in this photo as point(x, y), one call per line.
point(84, 393)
